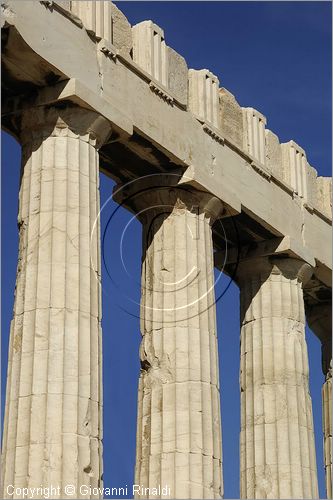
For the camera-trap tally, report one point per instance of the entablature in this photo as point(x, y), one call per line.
point(163, 115)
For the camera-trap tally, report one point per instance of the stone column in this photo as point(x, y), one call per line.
point(319, 317)
point(179, 428)
point(53, 422)
point(277, 449)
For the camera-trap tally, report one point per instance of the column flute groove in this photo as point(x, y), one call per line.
point(319, 317)
point(52, 434)
point(277, 439)
point(178, 428)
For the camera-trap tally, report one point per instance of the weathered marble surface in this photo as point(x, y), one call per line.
point(179, 441)
point(53, 414)
point(167, 116)
point(319, 317)
point(277, 448)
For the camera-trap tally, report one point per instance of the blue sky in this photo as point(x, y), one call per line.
point(273, 56)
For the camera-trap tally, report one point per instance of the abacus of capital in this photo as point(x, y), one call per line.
point(185, 156)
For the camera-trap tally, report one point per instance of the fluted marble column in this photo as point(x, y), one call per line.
point(327, 429)
point(277, 449)
point(53, 423)
point(179, 428)
point(319, 317)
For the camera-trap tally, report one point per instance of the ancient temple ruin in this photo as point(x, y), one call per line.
point(84, 91)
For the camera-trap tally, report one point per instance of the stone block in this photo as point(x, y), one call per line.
point(273, 154)
point(311, 181)
point(324, 195)
point(149, 50)
point(177, 76)
point(95, 16)
point(254, 134)
point(204, 96)
point(294, 165)
point(121, 31)
point(231, 118)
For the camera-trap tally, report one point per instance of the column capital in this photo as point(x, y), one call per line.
point(319, 318)
point(289, 267)
point(159, 194)
point(63, 120)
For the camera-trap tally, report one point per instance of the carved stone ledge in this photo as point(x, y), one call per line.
point(214, 133)
point(308, 207)
point(53, 5)
point(283, 185)
point(108, 49)
point(278, 247)
point(158, 90)
point(261, 170)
